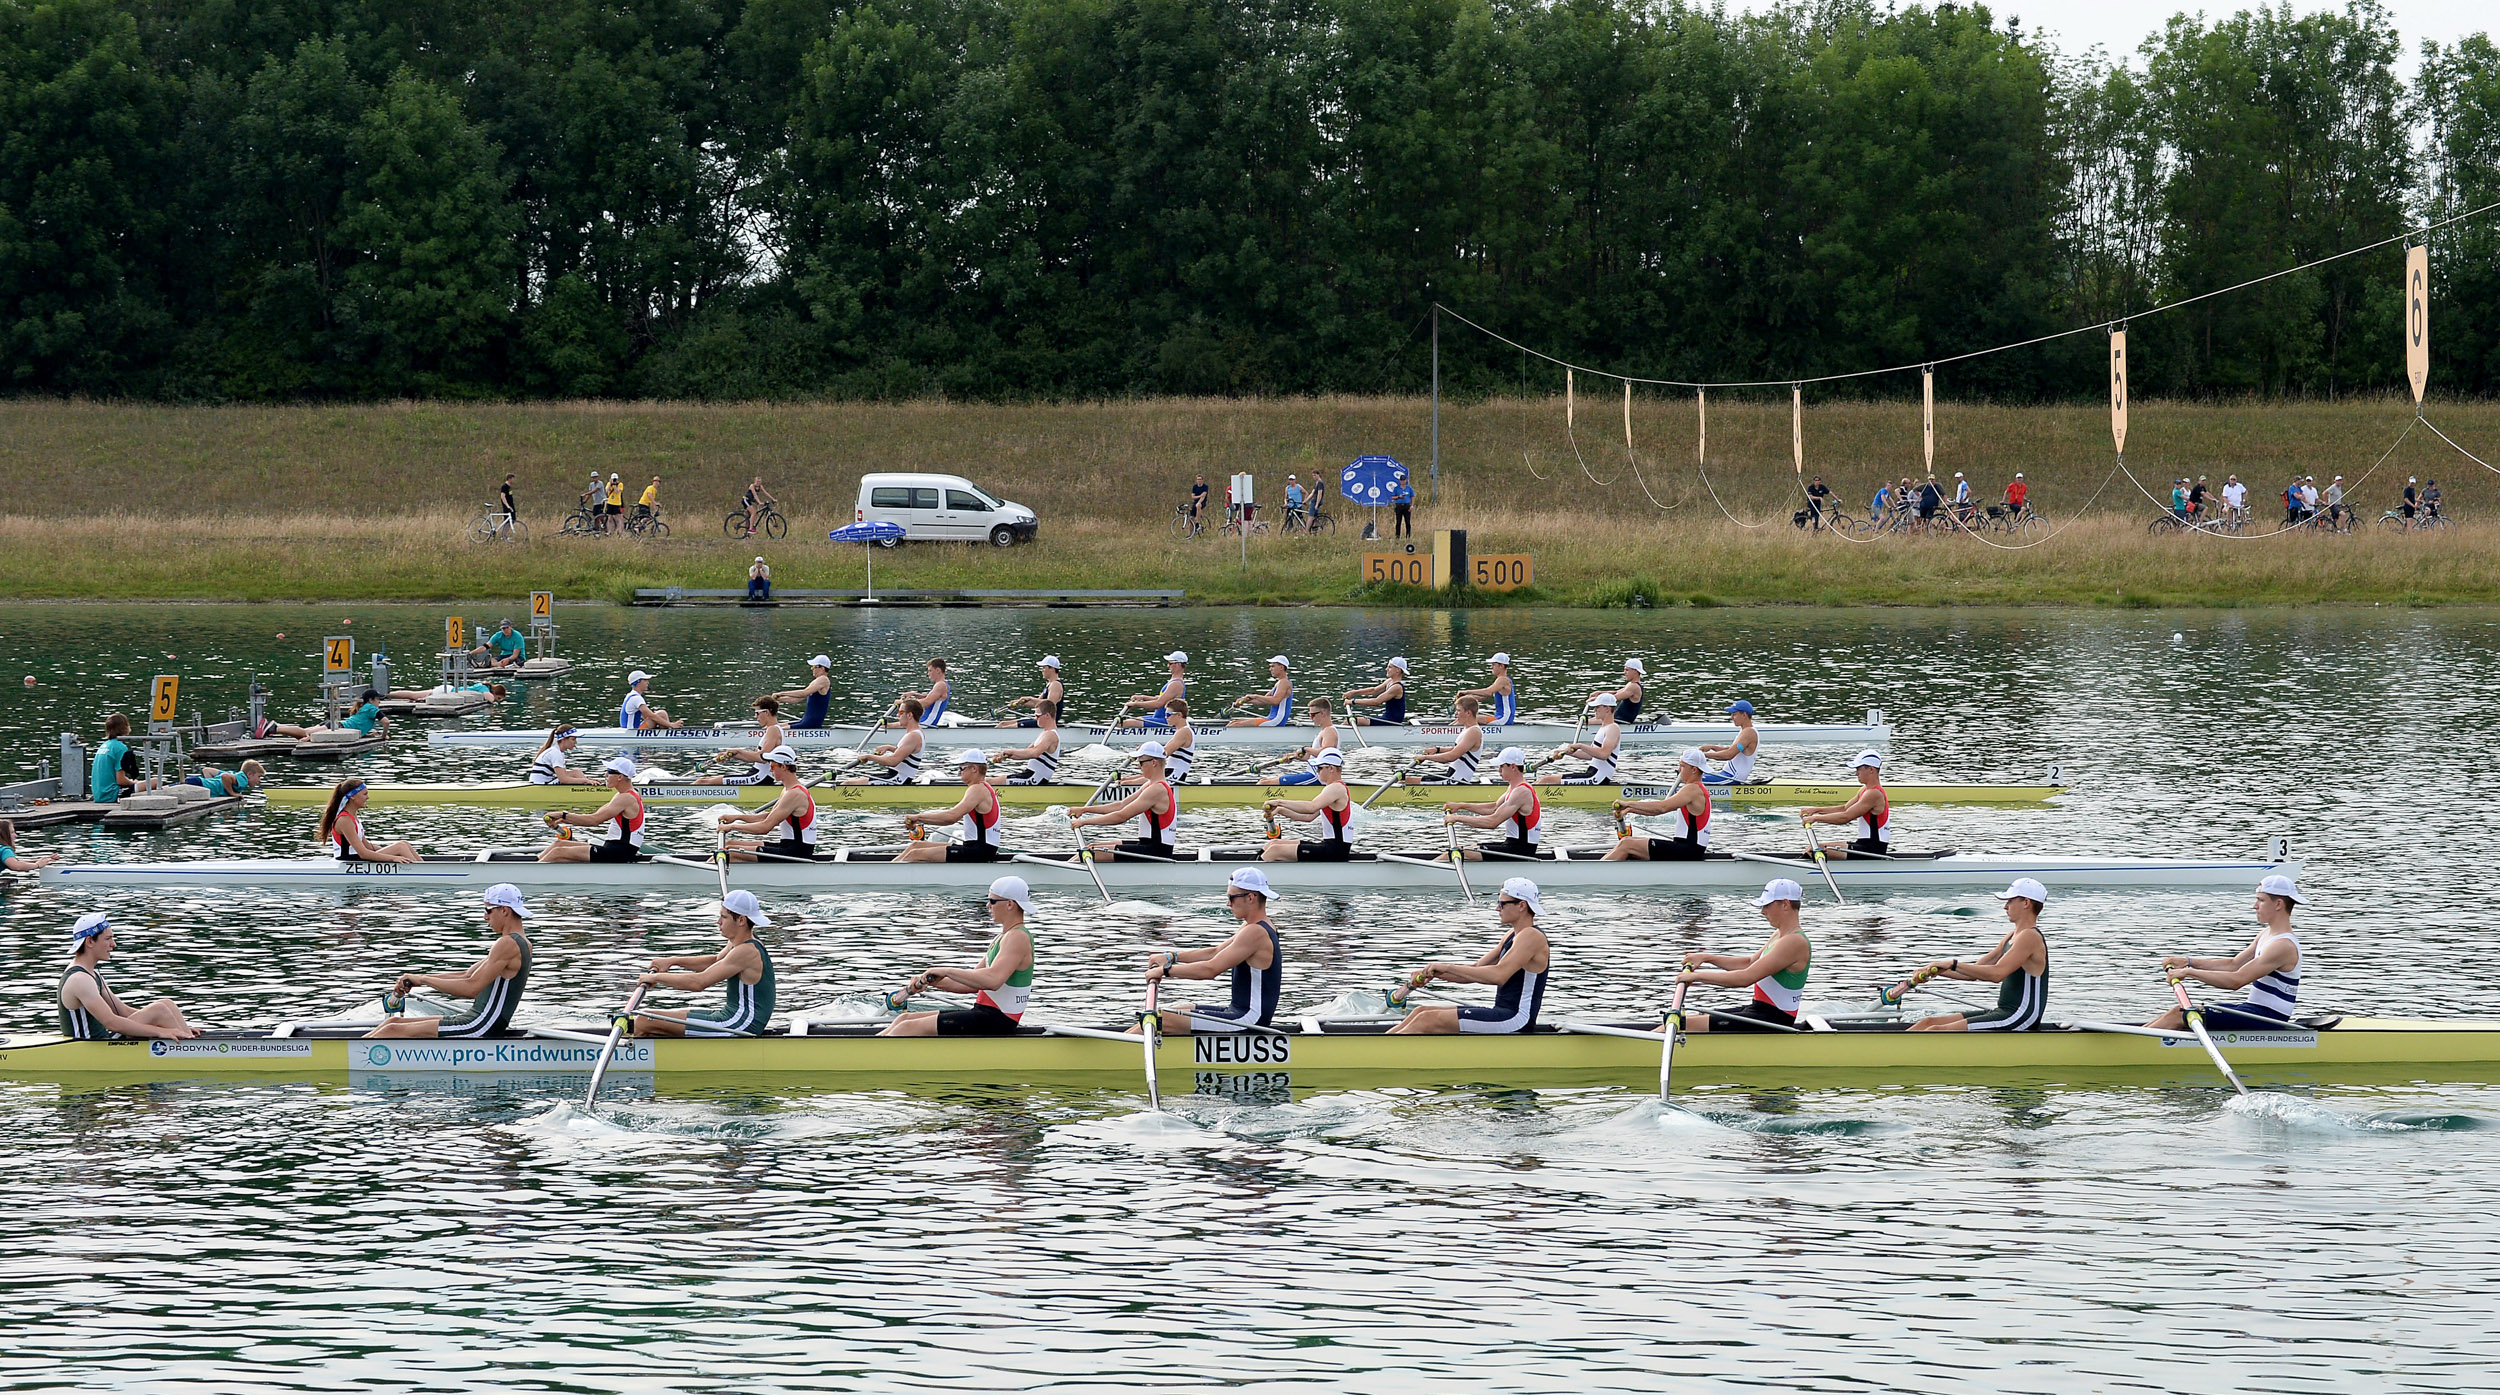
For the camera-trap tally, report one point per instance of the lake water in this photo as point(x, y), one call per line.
point(486, 1234)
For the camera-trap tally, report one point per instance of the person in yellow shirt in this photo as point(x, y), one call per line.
point(650, 503)
point(616, 504)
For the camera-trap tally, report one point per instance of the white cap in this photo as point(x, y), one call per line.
point(637, 676)
point(759, 557)
point(2026, 887)
point(783, 755)
point(1177, 656)
point(621, 765)
point(820, 661)
point(91, 924)
point(1280, 659)
point(1512, 755)
point(1867, 757)
point(1499, 659)
point(1250, 879)
point(1049, 661)
point(1957, 474)
point(1780, 889)
point(1634, 665)
point(743, 902)
point(1331, 756)
point(1522, 889)
point(1693, 757)
point(1013, 889)
point(508, 896)
point(2283, 886)
point(1399, 665)
point(972, 755)
point(1149, 750)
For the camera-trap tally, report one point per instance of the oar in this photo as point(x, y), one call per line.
point(1675, 1028)
point(1150, 1030)
point(851, 756)
point(2196, 1023)
point(1814, 848)
point(1892, 997)
point(607, 1051)
point(1402, 773)
point(1459, 864)
point(1085, 855)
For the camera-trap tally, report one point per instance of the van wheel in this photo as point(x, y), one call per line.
point(889, 543)
point(1002, 536)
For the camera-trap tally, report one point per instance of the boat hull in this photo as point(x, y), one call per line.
point(1527, 735)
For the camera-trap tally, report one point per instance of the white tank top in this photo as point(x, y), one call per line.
point(1180, 753)
point(543, 770)
point(1740, 765)
point(2278, 991)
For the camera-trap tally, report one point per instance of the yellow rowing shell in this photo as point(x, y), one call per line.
point(2353, 1048)
point(1222, 794)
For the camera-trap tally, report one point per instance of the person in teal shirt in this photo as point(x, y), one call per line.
point(503, 648)
point(494, 692)
point(115, 770)
point(223, 783)
point(368, 716)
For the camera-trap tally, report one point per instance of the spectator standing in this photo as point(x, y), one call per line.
point(1293, 497)
point(2309, 496)
point(1817, 495)
point(759, 581)
point(1402, 509)
point(2430, 497)
point(2335, 501)
point(2412, 498)
point(1930, 499)
point(615, 515)
point(1198, 503)
point(511, 510)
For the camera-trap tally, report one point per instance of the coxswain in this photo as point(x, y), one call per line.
point(1323, 740)
point(1331, 809)
point(1868, 814)
point(977, 811)
point(792, 815)
point(251, 775)
point(1625, 698)
point(1688, 813)
point(1175, 688)
point(1053, 697)
point(1516, 814)
point(933, 702)
point(1738, 753)
point(2019, 966)
point(1154, 805)
point(2269, 969)
point(91, 1011)
point(1460, 755)
point(1517, 966)
point(769, 733)
point(1000, 986)
point(901, 759)
point(812, 697)
point(743, 968)
point(493, 985)
point(1389, 695)
point(1252, 955)
point(1776, 972)
point(1599, 751)
point(619, 820)
point(1278, 699)
point(1503, 697)
point(637, 713)
point(1041, 757)
point(549, 765)
point(343, 827)
point(15, 859)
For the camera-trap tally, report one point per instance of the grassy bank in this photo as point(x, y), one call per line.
point(370, 503)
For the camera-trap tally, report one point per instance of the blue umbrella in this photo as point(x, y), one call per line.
point(881, 533)
point(1372, 480)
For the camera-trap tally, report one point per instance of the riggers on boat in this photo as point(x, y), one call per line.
point(861, 869)
point(2325, 1048)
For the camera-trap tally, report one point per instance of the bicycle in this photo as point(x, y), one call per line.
point(495, 525)
point(1306, 522)
point(1233, 525)
point(768, 521)
point(582, 522)
point(1188, 522)
point(2394, 521)
point(646, 525)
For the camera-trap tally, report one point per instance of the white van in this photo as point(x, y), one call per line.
point(943, 508)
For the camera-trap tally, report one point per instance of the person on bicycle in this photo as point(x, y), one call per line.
point(1881, 504)
point(1293, 500)
point(2196, 500)
point(2430, 497)
point(2179, 500)
point(1198, 504)
point(615, 514)
point(2335, 502)
point(2017, 496)
point(511, 510)
point(1961, 497)
point(590, 500)
point(2234, 499)
point(754, 501)
point(649, 505)
point(1930, 502)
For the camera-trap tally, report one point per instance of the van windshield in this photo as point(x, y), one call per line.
point(988, 498)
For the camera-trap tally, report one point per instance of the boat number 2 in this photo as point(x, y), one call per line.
point(1241, 1049)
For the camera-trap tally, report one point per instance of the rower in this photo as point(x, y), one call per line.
point(1180, 744)
point(769, 733)
point(1776, 972)
point(2269, 969)
point(1389, 695)
point(549, 767)
point(1688, 836)
point(1155, 805)
point(744, 969)
point(1278, 699)
point(251, 775)
point(1323, 740)
point(1868, 814)
point(1052, 698)
point(90, 1011)
point(637, 713)
point(1460, 754)
point(1252, 954)
point(1332, 808)
point(1175, 688)
point(343, 827)
point(1001, 986)
point(1499, 692)
point(1739, 753)
point(793, 811)
point(1041, 759)
point(1599, 751)
point(933, 702)
point(1517, 813)
point(13, 860)
point(493, 985)
point(2019, 965)
point(1517, 967)
point(977, 811)
point(813, 697)
point(1625, 698)
point(620, 820)
point(902, 759)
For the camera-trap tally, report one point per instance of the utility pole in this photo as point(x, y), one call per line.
point(1436, 402)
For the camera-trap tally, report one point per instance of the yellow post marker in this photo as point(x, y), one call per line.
point(455, 634)
point(162, 697)
point(542, 607)
point(2418, 321)
point(338, 653)
point(1449, 558)
point(1403, 568)
point(1503, 571)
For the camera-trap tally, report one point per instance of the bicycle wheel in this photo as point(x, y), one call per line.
point(1181, 522)
point(2393, 523)
point(735, 525)
point(1323, 523)
point(657, 527)
point(576, 525)
point(483, 530)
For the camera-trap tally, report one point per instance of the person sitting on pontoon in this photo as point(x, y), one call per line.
point(1052, 697)
point(769, 734)
point(1517, 814)
point(1599, 751)
point(1278, 699)
point(1517, 967)
point(343, 827)
point(1041, 758)
point(90, 1011)
point(549, 767)
point(1460, 755)
point(813, 697)
point(504, 649)
point(792, 812)
point(366, 719)
point(1253, 955)
point(493, 985)
point(1000, 987)
point(1389, 695)
point(744, 969)
point(1323, 740)
point(15, 861)
point(1868, 814)
point(2269, 969)
point(1738, 754)
point(1332, 809)
point(620, 820)
point(2019, 965)
point(1776, 972)
point(977, 811)
point(1688, 836)
point(225, 784)
point(1155, 805)
point(902, 758)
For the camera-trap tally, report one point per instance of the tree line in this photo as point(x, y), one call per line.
point(345, 199)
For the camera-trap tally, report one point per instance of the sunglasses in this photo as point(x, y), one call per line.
point(1237, 894)
point(1509, 901)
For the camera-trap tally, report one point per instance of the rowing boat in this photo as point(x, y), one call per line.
point(863, 869)
point(1205, 794)
point(2329, 1048)
point(1530, 735)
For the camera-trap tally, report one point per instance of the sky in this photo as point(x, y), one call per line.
point(2120, 25)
